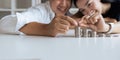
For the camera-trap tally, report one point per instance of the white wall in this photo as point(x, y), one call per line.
point(21, 3)
point(6, 4)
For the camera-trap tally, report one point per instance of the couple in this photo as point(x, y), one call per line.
point(50, 18)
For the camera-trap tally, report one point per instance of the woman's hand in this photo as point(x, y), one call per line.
point(95, 22)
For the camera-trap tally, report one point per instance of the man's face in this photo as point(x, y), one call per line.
point(60, 6)
point(89, 6)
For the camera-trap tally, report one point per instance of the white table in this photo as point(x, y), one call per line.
point(16, 47)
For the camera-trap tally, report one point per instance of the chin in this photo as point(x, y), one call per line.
point(60, 13)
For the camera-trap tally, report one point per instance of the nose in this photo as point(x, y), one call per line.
point(63, 4)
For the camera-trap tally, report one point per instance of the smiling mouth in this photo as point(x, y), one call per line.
point(62, 10)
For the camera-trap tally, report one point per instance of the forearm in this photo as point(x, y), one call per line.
point(34, 28)
point(110, 20)
point(116, 25)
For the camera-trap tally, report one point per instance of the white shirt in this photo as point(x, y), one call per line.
point(41, 13)
point(8, 25)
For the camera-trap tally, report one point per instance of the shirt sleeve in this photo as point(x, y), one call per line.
point(31, 15)
point(41, 14)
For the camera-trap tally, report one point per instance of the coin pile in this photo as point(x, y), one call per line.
point(84, 32)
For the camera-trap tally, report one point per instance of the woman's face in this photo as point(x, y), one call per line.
point(89, 6)
point(60, 6)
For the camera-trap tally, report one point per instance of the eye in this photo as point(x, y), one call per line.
point(89, 4)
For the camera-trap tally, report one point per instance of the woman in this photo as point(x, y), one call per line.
point(96, 13)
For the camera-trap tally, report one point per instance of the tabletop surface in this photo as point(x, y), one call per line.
point(62, 47)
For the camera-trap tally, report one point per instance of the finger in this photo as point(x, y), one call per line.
point(66, 28)
point(56, 19)
point(64, 22)
point(94, 18)
point(87, 19)
point(83, 20)
point(72, 21)
point(61, 31)
point(62, 26)
point(62, 17)
point(93, 27)
point(84, 25)
point(69, 19)
point(78, 19)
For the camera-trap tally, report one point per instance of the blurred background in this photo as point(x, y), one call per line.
point(12, 6)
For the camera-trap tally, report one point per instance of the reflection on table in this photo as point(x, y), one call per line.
point(62, 47)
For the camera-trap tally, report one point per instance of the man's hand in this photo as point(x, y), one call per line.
point(60, 24)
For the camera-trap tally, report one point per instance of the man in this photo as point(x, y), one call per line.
point(46, 19)
point(95, 13)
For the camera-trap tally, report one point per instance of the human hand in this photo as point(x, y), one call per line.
point(60, 24)
point(110, 20)
point(95, 22)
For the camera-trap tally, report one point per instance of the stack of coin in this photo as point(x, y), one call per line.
point(94, 33)
point(101, 35)
point(84, 32)
point(77, 32)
